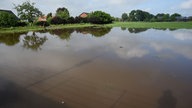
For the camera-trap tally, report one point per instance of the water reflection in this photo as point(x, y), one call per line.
point(123, 28)
point(137, 30)
point(182, 35)
point(118, 42)
point(63, 34)
point(172, 29)
point(96, 31)
point(33, 41)
point(162, 29)
point(167, 100)
point(10, 39)
point(102, 67)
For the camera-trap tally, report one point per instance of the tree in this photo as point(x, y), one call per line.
point(117, 19)
point(63, 13)
point(49, 15)
point(139, 15)
point(132, 16)
point(190, 18)
point(159, 17)
point(99, 17)
point(175, 16)
point(27, 11)
point(124, 17)
point(71, 20)
point(163, 17)
point(57, 20)
point(7, 19)
point(153, 19)
point(166, 17)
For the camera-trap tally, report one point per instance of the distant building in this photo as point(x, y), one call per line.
point(84, 15)
point(183, 18)
point(42, 18)
point(8, 11)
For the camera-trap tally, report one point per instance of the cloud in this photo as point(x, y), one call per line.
point(117, 2)
point(147, 9)
point(114, 7)
point(174, 42)
point(186, 4)
point(183, 36)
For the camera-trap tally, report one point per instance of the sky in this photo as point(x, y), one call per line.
point(114, 7)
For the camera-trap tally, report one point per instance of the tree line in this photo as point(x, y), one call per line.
point(63, 17)
point(139, 15)
point(29, 14)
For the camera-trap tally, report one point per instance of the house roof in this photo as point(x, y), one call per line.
point(84, 14)
point(9, 11)
point(42, 18)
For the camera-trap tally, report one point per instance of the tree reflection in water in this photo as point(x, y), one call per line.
point(123, 28)
point(33, 42)
point(10, 39)
point(94, 31)
point(63, 34)
point(137, 30)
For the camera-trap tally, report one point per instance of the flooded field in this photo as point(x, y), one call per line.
point(96, 68)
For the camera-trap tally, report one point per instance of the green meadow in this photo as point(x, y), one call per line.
point(161, 25)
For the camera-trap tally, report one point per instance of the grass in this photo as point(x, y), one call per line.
point(37, 28)
point(162, 25)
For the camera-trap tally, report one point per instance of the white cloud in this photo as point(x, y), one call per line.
point(147, 9)
point(114, 7)
point(183, 36)
point(117, 1)
point(186, 4)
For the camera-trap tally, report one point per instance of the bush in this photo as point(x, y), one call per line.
point(57, 20)
point(7, 19)
point(71, 20)
point(42, 23)
point(49, 20)
point(81, 20)
point(77, 20)
point(99, 17)
point(21, 24)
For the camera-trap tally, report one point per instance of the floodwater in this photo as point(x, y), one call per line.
point(96, 68)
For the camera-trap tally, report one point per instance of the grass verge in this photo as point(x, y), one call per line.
point(160, 25)
point(37, 28)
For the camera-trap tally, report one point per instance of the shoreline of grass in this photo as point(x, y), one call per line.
point(39, 28)
point(156, 25)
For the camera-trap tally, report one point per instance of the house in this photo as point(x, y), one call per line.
point(9, 11)
point(84, 15)
point(42, 18)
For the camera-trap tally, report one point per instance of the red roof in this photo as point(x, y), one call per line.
point(83, 15)
point(42, 18)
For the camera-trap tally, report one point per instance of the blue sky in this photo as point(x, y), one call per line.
point(114, 7)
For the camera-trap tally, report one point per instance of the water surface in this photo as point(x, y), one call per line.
point(97, 68)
